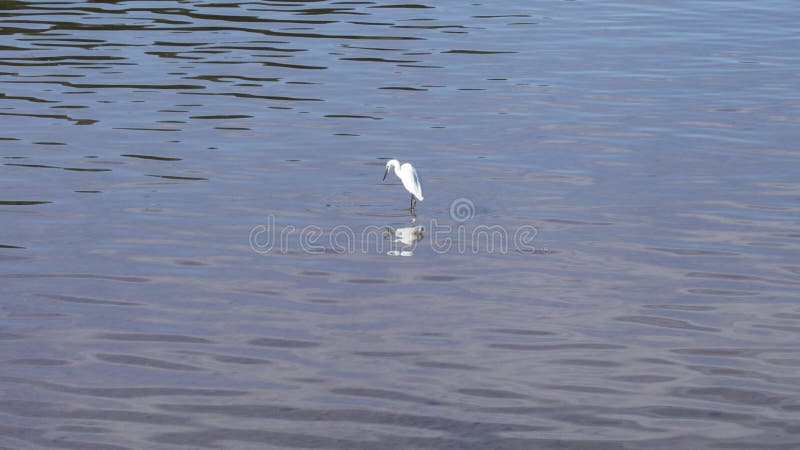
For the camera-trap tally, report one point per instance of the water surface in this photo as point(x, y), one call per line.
point(197, 251)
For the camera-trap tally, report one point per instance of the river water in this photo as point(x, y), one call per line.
point(197, 249)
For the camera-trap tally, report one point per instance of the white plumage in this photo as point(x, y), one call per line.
point(408, 175)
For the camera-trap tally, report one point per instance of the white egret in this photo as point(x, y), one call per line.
point(408, 175)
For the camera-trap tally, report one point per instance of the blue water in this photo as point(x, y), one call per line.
point(197, 249)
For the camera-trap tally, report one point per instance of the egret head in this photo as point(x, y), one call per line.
point(389, 165)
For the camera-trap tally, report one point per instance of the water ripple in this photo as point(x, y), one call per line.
point(654, 306)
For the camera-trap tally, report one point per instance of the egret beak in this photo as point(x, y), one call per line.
point(385, 173)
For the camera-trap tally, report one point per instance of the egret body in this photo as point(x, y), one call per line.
point(408, 175)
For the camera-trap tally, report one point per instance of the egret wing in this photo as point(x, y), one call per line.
point(417, 189)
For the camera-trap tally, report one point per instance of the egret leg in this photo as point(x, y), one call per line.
point(413, 202)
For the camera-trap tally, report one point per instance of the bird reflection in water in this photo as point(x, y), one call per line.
point(402, 238)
